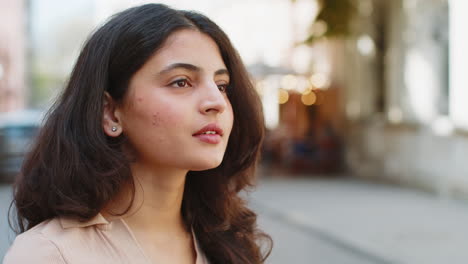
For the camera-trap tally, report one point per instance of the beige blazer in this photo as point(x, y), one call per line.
point(62, 240)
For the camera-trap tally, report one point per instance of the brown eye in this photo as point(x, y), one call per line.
point(223, 88)
point(181, 83)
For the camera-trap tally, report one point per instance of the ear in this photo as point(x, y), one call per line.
point(111, 122)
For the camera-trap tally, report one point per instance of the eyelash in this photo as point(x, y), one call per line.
point(222, 87)
point(176, 82)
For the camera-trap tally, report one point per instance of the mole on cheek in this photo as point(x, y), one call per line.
point(156, 120)
point(139, 99)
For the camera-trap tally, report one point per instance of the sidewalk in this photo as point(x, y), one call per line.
point(380, 223)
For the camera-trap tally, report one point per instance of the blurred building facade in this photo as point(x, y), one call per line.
point(12, 55)
point(404, 93)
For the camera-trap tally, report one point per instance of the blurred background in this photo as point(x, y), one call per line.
point(365, 107)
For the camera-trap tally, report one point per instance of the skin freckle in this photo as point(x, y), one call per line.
point(156, 119)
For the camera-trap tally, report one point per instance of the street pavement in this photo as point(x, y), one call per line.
point(346, 221)
point(296, 245)
point(378, 223)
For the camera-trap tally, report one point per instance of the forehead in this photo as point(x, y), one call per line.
point(189, 46)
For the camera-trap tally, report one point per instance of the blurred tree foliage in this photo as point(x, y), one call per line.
point(333, 19)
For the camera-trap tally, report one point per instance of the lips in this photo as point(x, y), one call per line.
point(209, 134)
point(211, 129)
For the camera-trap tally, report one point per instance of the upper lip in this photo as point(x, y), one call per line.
point(210, 127)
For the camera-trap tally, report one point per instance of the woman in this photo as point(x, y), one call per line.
point(142, 157)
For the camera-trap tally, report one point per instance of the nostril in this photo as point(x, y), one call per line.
point(212, 109)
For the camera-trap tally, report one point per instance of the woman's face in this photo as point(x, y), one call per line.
point(176, 113)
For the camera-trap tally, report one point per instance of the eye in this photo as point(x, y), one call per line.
point(223, 87)
point(180, 83)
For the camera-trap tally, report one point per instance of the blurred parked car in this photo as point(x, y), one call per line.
point(17, 130)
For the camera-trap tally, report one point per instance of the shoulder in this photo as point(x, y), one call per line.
point(33, 246)
point(58, 240)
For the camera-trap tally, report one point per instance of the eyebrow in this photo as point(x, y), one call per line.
point(190, 67)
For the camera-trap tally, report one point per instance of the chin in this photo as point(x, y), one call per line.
point(207, 164)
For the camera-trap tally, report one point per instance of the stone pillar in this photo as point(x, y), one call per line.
point(458, 62)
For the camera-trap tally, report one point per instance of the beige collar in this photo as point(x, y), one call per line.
point(102, 223)
point(67, 222)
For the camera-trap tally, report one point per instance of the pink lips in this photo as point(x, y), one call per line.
point(209, 134)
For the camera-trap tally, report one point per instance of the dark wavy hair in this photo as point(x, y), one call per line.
point(74, 169)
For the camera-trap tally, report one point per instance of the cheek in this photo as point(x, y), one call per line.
point(156, 119)
point(230, 116)
point(165, 119)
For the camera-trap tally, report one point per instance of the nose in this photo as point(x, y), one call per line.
point(213, 100)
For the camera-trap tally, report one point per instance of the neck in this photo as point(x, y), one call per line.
point(157, 202)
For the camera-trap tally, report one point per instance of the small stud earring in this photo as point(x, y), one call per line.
point(114, 129)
